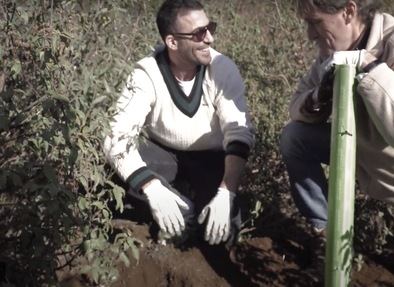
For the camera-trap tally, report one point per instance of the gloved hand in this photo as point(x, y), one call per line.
point(355, 58)
point(326, 88)
point(324, 67)
point(218, 210)
point(167, 208)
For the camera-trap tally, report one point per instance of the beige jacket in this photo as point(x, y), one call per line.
point(374, 103)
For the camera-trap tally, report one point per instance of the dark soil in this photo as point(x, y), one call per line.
point(280, 251)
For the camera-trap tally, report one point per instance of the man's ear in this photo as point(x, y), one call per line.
point(171, 42)
point(351, 11)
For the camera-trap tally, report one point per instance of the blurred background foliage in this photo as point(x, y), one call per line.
point(62, 66)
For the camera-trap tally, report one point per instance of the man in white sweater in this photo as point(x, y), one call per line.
point(183, 118)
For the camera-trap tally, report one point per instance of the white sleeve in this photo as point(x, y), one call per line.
point(133, 106)
point(232, 107)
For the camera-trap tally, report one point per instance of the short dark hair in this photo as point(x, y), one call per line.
point(168, 12)
point(366, 8)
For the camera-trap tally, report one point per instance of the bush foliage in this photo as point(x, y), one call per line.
point(63, 63)
point(62, 66)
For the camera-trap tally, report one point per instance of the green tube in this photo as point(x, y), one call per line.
point(341, 180)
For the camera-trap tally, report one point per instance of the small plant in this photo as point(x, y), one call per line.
point(63, 64)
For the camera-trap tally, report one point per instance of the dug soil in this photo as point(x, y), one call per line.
point(278, 251)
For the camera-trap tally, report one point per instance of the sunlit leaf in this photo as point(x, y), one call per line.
point(123, 258)
point(16, 68)
point(82, 203)
point(99, 100)
point(135, 252)
point(24, 15)
point(118, 193)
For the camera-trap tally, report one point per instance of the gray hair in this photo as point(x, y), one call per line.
point(366, 8)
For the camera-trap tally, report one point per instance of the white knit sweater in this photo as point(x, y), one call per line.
point(222, 116)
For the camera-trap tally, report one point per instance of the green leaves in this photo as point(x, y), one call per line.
point(16, 68)
point(63, 67)
point(118, 193)
point(24, 15)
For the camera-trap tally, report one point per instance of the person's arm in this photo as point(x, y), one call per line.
point(375, 85)
point(377, 91)
point(232, 109)
point(234, 167)
point(238, 135)
point(121, 148)
point(132, 107)
point(236, 125)
point(305, 105)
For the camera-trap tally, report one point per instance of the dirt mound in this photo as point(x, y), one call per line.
point(276, 260)
point(192, 264)
point(278, 252)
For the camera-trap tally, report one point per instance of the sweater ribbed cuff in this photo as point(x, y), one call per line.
point(139, 177)
point(238, 148)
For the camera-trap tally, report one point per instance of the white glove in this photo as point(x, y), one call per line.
point(355, 58)
point(219, 220)
point(167, 208)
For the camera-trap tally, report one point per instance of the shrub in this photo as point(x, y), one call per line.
point(63, 65)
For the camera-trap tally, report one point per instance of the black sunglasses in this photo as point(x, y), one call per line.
point(199, 34)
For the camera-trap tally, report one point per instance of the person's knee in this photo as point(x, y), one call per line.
point(289, 137)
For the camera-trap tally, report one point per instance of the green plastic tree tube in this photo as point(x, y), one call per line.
point(341, 180)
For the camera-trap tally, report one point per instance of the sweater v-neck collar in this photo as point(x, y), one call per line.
point(186, 104)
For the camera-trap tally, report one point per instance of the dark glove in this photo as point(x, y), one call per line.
point(326, 89)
